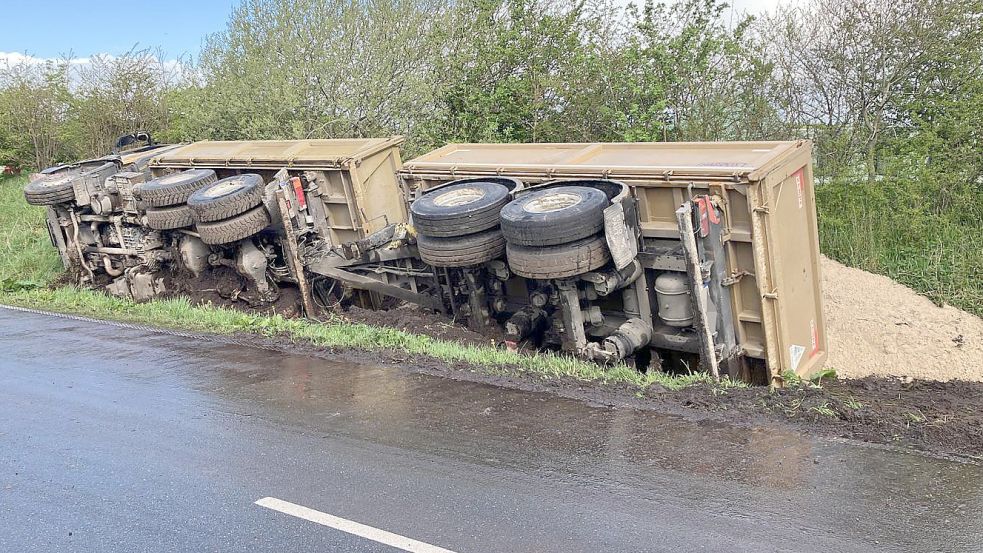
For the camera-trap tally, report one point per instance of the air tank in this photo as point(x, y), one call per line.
point(672, 293)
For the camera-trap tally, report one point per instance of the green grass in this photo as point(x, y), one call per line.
point(29, 264)
point(914, 232)
point(26, 255)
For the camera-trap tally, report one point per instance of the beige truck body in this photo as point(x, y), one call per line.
point(766, 196)
point(348, 220)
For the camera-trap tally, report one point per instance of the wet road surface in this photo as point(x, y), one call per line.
point(121, 439)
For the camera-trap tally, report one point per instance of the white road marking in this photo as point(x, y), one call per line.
point(352, 527)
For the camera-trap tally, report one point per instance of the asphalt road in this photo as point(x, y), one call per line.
point(121, 439)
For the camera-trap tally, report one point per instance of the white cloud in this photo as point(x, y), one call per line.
point(172, 68)
point(10, 59)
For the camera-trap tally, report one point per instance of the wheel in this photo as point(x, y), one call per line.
point(554, 216)
point(166, 218)
point(461, 251)
point(235, 228)
point(52, 188)
point(459, 209)
point(228, 197)
point(55, 184)
point(173, 189)
point(561, 261)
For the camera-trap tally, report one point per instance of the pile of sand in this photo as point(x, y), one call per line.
point(879, 327)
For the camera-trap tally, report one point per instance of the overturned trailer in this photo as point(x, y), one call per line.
point(665, 255)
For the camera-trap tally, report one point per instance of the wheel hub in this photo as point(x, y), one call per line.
point(221, 189)
point(459, 197)
point(552, 202)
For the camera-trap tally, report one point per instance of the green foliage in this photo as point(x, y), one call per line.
point(33, 104)
point(896, 228)
point(116, 95)
point(695, 76)
point(522, 71)
point(58, 112)
point(316, 69)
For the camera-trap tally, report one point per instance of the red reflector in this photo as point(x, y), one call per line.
point(299, 192)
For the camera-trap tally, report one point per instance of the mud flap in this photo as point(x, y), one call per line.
point(57, 237)
point(621, 239)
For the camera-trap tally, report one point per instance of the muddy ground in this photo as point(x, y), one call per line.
point(932, 416)
point(942, 418)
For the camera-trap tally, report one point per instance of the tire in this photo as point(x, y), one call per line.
point(234, 229)
point(459, 209)
point(167, 218)
point(54, 186)
point(562, 261)
point(554, 216)
point(174, 188)
point(461, 251)
point(227, 198)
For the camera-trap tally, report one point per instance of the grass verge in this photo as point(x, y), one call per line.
point(29, 264)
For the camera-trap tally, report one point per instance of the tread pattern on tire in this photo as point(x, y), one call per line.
point(470, 220)
point(461, 251)
point(558, 227)
point(167, 218)
point(234, 229)
point(562, 261)
point(223, 207)
point(52, 197)
point(154, 193)
point(40, 192)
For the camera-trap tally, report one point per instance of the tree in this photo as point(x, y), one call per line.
point(33, 108)
point(690, 75)
point(116, 95)
point(522, 70)
point(319, 68)
point(848, 66)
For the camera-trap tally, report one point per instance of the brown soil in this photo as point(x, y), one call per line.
point(412, 319)
point(940, 417)
point(224, 287)
point(879, 327)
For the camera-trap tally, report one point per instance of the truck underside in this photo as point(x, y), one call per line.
point(535, 259)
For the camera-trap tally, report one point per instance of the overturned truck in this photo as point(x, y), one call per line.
point(665, 255)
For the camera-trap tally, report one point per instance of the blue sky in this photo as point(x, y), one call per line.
point(50, 29)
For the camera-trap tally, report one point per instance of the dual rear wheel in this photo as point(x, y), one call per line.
point(222, 211)
point(557, 232)
point(553, 233)
point(458, 225)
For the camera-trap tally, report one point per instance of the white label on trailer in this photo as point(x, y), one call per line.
point(795, 355)
point(799, 178)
